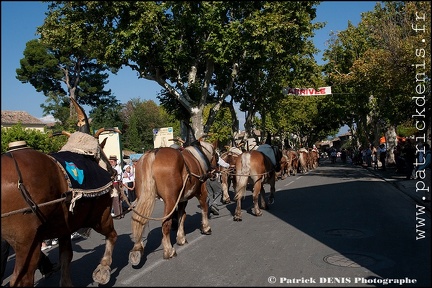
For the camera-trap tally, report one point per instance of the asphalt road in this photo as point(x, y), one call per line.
point(338, 225)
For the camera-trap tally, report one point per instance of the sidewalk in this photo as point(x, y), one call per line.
point(400, 182)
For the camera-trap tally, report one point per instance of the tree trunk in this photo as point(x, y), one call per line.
point(390, 136)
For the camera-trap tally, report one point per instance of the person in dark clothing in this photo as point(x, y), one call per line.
point(409, 153)
point(382, 155)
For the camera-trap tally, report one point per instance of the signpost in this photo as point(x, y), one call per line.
point(307, 91)
point(113, 145)
point(162, 136)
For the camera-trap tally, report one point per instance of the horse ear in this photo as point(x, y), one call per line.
point(268, 140)
point(102, 144)
point(83, 123)
point(215, 143)
point(190, 137)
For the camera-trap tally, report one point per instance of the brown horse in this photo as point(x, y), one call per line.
point(228, 174)
point(259, 167)
point(43, 206)
point(303, 160)
point(175, 176)
point(314, 158)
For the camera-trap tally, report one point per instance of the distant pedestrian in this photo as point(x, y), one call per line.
point(426, 167)
point(382, 151)
point(117, 210)
point(129, 184)
point(409, 153)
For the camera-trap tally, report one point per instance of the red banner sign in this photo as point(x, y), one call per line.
point(307, 91)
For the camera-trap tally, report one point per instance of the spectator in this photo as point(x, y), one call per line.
point(214, 189)
point(343, 155)
point(116, 199)
point(368, 156)
point(409, 152)
point(426, 167)
point(128, 180)
point(400, 162)
point(382, 151)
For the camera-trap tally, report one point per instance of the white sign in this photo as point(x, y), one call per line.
point(162, 136)
point(112, 145)
point(307, 91)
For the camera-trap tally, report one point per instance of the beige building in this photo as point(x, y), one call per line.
point(11, 118)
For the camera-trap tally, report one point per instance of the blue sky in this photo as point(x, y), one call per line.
point(18, 26)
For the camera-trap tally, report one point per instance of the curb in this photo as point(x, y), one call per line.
point(409, 192)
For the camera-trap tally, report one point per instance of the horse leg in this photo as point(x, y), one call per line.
point(237, 213)
point(168, 249)
point(181, 236)
point(257, 190)
point(241, 190)
point(102, 273)
point(272, 191)
point(225, 181)
point(65, 257)
point(26, 261)
point(205, 226)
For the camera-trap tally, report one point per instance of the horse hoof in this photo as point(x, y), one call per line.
point(237, 218)
point(102, 274)
point(271, 201)
point(260, 213)
point(170, 255)
point(227, 201)
point(134, 257)
point(181, 242)
point(208, 232)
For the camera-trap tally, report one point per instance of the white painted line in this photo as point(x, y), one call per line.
point(142, 272)
point(289, 183)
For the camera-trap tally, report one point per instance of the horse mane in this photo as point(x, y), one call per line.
point(82, 143)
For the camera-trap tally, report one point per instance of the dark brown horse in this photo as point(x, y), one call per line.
point(175, 176)
point(39, 203)
point(262, 170)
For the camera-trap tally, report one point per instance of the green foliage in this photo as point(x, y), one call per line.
point(53, 68)
point(374, 63)
point(221, 130)
point(34, 138)
point(195, 50)
point(106, 115)
point(140, 118)
point(406, 129)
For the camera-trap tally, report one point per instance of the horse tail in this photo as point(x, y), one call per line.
point(242, 174)
point(145, 187)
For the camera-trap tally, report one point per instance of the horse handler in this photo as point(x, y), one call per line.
point(214, 189)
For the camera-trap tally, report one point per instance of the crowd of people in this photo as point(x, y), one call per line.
point(124, 196)
point(406, 155)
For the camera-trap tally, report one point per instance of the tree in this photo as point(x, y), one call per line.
point(194, 50)
point(107, 115)
point(35, 139)
point(374, 60)
point(140, 118)
point(61, 71)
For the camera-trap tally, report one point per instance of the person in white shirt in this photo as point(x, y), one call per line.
point(129, 183)
point(116, 199)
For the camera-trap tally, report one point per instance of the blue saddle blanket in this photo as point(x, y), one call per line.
point(83, 171)
point(267, 150)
